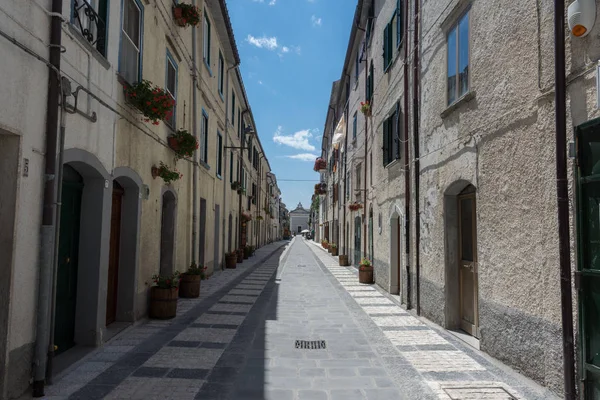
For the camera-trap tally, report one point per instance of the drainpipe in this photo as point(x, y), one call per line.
point(416, 150)
point(48, 234)
point(240, 169)
point(225, 151)
point(406, 166)
point(195, 164)
point(345, 173)
point(562, 194)
point(365, 162)
point(332, 234)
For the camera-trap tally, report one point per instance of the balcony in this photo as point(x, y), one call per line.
point(91, 23)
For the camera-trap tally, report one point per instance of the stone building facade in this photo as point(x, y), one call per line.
point(299, 219)
point(119, 224)
point(461, 220)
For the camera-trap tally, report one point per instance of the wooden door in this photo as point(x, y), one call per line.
point(469, 318)
point(68, 252)
point(113, 255)
point(399, 255)
point(357, 240)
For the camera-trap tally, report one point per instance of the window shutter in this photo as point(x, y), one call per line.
point(385, 45)
point(396, 123)
point(399, 23)
point(385, 143)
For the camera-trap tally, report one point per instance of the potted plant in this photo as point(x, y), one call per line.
point(240, 256)
point(334, 249)
point(354, 206)
point(365, 271)
point(189, 285)
point(343, 261)
point(152, 101)
point(321, 188)
point(183, 143)
point(325, 243)
point(365, 108)
point(320, 164)
point(247, 252)
point(167, 174)
point(231, 260)
point(246, 216)
point(163, 296)
point(237, 186)
point(186, 14)
point(259, 218)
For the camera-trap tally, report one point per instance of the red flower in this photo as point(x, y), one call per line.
point(155, 123)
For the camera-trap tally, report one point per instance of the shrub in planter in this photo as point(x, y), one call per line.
point(240, 256)
point(189, 286)
point(231, 260)
point(334, 249)
point(365, 271)
point(247, 252)
point(320, 164)
point(325, 243)
point(343, 260)
point(163, 296)
point(186, 14)
point(354, 206)
point(237, 186)
point(321, 188)
point(152, 101)
point(183, 143)
point(365, 108)
point(167, 174)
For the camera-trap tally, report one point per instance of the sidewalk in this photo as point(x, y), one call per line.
point(170, 359)
point(449, 367)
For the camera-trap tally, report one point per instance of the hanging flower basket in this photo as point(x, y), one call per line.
point(259, 218)
point(183, 143)
point(320, 165)
point(365, 108)
point(237, 186)
point(168, 175)
point(246, 216)
point(321, 188)
point(186, 14)
point(152, 101)
point(355, 206)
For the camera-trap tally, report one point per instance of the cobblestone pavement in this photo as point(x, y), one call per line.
point(289, 325)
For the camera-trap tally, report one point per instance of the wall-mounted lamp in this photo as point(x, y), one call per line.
point(582, 16)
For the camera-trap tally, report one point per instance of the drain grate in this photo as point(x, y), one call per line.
point(310, 344)
point(479, 392)
point(301, 266)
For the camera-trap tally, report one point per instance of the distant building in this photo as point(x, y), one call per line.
point(299, 219)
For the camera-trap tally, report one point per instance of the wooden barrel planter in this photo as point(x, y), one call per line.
point(329, 249)
point(163, 303)
point(240, 256)
point(231, 260)
point(344, 260)
point(334, 251)
point(189, 286)
point(246, 253)
point(365, 274)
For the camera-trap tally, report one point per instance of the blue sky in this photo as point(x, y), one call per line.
point(291, 52)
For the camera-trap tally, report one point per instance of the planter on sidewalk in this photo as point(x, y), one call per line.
point(365, 271)
point(240, 256)
point(247, 252)
point(325, 244)
point(163, 302)
point(231, 260)
point(333, 249)
point(344, 260)
point(189, 285)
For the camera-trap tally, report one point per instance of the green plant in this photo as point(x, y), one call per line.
point(365, 263)
point(168, 175)
point(186, 14)
point(365, 108)
point(246, 216)
point(259, 218)
point(154, 102)
point(166, 281)
point(186, 143)
point(195, 269)
point(333, 246)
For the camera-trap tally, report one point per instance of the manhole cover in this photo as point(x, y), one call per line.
point(479, 393)
point(310, 344)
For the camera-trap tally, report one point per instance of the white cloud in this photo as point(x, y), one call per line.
point(272, 2)
point(303, 157)
point(297, 49)
point(260, 82)
point(285, 49)
point(298, 140)
point(263, 42)
point(315, 21)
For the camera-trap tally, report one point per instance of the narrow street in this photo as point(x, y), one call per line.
point(239, 341)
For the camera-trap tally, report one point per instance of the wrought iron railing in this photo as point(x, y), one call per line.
point(91, 25)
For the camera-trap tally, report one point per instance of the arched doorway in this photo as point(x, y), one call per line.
point(114, 253)
point(395, 253)
point(68, 259)
point(462, 293)
point(167, 233)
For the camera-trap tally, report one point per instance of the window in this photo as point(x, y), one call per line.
point(370, 18)
point(388, 44)
point(354, 126)
point(369, 85)
point(358, 180)
point(90, 18)
point(250, 150)
point(458, 59)
point(130, 57)
point(253, 193)
point(399, 22)
point(232, 107)
point(347, 184)
point(230, 166)
point(204, 138)
point(219, 154)
point(237, 171)
point(371, 168)
point(356, 69)
point(221, 73)
point(239, 122)
point(171, 87)
point(391, 137)
point(206, 49)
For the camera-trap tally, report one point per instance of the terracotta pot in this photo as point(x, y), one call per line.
point(334, 252)
point(189, 286)
point(365, 274)
point(344, 260)
point(240, 256)
point(325, 245)
point(173, 143)
point(163, 303)
point(231, 260)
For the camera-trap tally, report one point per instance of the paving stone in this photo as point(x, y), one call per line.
point(190, 373)
point(150, 372)
point(312, 395)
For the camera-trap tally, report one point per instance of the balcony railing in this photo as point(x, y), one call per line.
point(91, 25)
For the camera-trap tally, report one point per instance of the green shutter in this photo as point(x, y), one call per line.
point(385, 46)
point(386, 138)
